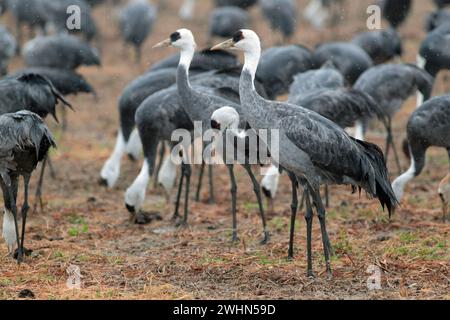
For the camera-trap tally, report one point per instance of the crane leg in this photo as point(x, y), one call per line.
point(257, 191)
point(38, 196)
point(322, 219)
point(302, 201)
point(309, 221)
point(187, 173)
point(24, 211)
point(12, 200)
point(212, 197)
point(327, 197)
point(50, 168)
point(294, 205)
point(176, 214)
point(200, 181)
point(233, 191)
point(162, 152)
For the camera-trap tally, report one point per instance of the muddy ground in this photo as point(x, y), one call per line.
point(86, 225)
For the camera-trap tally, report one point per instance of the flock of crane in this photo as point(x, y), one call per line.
point(335, 87)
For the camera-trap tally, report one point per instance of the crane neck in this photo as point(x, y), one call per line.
point(251, 63)
point(186, 56)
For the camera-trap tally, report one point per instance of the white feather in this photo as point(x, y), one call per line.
point(270, 181)
point(167, 174)
point(399, 184)
point(111, 169)
point(135, 194)
point(9, 230)
point(134, 145)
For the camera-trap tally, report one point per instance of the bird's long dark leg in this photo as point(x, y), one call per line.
point(162, 152)
point(12, 199)
point(188, 173)
point(309, 221)
point(233, 191)
point(302, 200)
point(294, 205)
point(38, 196)
point(25, 208)
point(257, 191)
point(51, 168)
point(200, 181)
point(390, 143)
point(322, 219)
point(176, 214)
point(327, 197)
point(212, 197)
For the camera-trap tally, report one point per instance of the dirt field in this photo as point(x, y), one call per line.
point(87, 226)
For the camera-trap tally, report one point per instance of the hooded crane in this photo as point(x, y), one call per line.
point(58, 14)
point(156, 119)
point(31, 13)
point(31, 92)
point(160, 76)
point(25, 142)
point(311, 148)
point(428, 126)
point(8, 47)
point(395, 11)
point(391, 85)
point(279, 65)
point(350, 59)
point(66, 81)
point(282, 16)
point(434, 53)
point(60, 51)
point(136, 22)
point(200, 106)
point(437, 19)
point(225, 21)
point(380, 45)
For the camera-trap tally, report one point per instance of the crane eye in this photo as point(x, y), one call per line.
point(175, 37)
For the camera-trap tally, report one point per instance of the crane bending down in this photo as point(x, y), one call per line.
point(25, 142)
point(312, 148)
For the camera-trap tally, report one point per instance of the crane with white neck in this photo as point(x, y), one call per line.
point(312, 148)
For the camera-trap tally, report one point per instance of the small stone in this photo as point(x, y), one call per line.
point(26, 294)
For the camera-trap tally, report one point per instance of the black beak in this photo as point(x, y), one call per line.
point(215, 124)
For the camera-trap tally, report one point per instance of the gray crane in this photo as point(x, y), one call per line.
point(60, 51)
point(35, 93)
point(428, 126)
point(200, 107)
point(390, 85)
point(8, 46)
point(380, 45)
point(350, 59)
point(280, 64)
point(156, 119)
point(136, 21)
point(436, 19)
point(282, 16)
point(225, 21)
point(311, 148)
point(25, 142)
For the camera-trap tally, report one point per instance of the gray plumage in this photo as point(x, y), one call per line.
point(136, 22)
point(244, 4)
point(392, 84)
point(327, 77)
point(8, 47)
point(435, 50)
point(60, 51)
point(342, 106)
point(436, 19)
point(428, 126)
point(380, 45)
point(225, 21)
point(66, 81)
point(25, 142)
point(56, 11)
point(279, 65)
point(30, 92)
point(349, 59)
point(395, 11)
point(281, 14)
point(29, 12)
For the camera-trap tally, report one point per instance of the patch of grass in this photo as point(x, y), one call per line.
point(408, 237)
point(277, 223)
point(250, 206)
point(115, 260)
point(80, 226)
point(58, 255)
point(342, 245)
